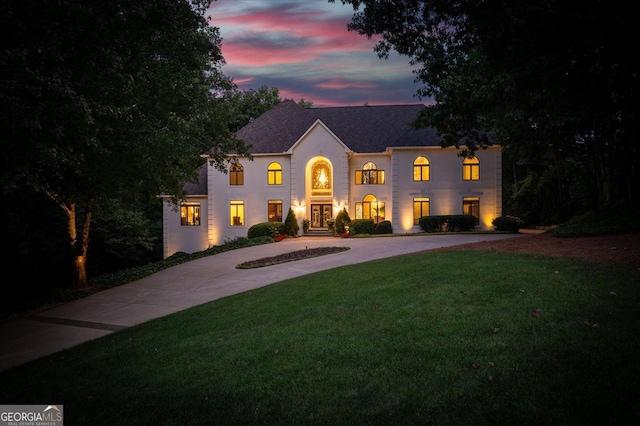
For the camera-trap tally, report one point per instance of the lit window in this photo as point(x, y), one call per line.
point(471, 169)
point(236, 213)
point(321, 179)
point(370, 208)
point(190, 214)
point(420, 208)
point(274, 174)
point(471, 206)
point(236, 174)
point(369, 175)
point(275, 210)
point(421, 169)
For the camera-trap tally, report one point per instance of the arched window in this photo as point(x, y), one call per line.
point(274, 174)
point(369, 175)
point(471, 169)
point(370, 208)
point(421, 169)
point(236, 174)
point(321, 183)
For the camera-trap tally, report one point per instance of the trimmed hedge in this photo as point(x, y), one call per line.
point(447, 223)
point(362, 226)
point(508, 223)
point(384, 227)
point(265, 229)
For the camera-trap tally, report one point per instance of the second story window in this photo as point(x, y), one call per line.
point(236, 174)
point(274, 174)
point(471, 169)
point(369, 175)
point(421, 169)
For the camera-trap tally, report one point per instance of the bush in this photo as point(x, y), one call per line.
point(342, 220)
point(384, 227)
point(265, 229)
point(362, 226)
point(291, 227)
point(447, 223)
point(508, 223)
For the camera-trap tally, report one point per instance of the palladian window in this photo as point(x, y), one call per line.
point(370, 208)
point(370, 175)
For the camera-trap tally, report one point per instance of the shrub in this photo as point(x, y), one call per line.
point(265, 229)
point(508, 223)
point(342, 220)
point(444, 223)
point(362, 226)
point(291, 227)
point(384, 227)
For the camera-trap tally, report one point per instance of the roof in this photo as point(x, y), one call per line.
point(363, 129)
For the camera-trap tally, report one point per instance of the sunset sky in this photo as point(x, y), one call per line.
point(303, 48)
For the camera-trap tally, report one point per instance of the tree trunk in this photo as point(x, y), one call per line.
point(80, 245)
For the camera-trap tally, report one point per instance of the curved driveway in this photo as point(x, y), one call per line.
point(190, 284)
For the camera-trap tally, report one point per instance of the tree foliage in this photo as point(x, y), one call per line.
point(549, 81)
point(108, 100)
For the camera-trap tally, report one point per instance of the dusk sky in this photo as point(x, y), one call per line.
point(303, 48)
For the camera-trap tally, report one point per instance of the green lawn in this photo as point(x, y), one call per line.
point(442, 338)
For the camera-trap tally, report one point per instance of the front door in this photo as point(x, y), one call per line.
point(319, 215)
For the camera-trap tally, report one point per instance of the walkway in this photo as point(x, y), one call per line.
point(190, 284)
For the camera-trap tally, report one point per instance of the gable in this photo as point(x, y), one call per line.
point(319, 138)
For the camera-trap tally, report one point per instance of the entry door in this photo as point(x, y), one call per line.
point(319, 215)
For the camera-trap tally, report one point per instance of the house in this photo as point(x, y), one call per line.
point(317, 161)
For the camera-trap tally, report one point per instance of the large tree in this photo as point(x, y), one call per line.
point(554, 82)
point(105, 99)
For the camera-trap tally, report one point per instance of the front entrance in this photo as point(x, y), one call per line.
point(319, 215)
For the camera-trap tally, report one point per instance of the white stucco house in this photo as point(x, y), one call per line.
point(367, 159)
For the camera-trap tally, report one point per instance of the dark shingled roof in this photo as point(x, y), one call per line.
point(362, 129)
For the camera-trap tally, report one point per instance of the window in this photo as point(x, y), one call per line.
point(420, 208)
point(471, 169)
point(236, 174)
point(471, 206)
point(421, 169)
point(321, 179)
point(274, 174)
point(236, 213)
point(275, 210)
point(190, 214)
point(370, 208)
point(369, 175)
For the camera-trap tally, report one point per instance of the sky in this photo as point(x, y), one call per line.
point(303, 48)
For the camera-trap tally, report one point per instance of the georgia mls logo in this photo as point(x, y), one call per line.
point(31, 415)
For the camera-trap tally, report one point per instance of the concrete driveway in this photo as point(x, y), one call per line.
point(193, 283)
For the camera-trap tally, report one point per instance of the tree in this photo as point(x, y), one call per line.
point(291, 226)
point(545, 80)
point(102, 100)
point(245, 106)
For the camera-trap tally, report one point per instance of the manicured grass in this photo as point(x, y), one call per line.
point(442, 338)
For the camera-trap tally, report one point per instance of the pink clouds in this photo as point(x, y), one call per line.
point(305, 50)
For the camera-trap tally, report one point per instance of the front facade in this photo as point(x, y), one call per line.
point(318, 161)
